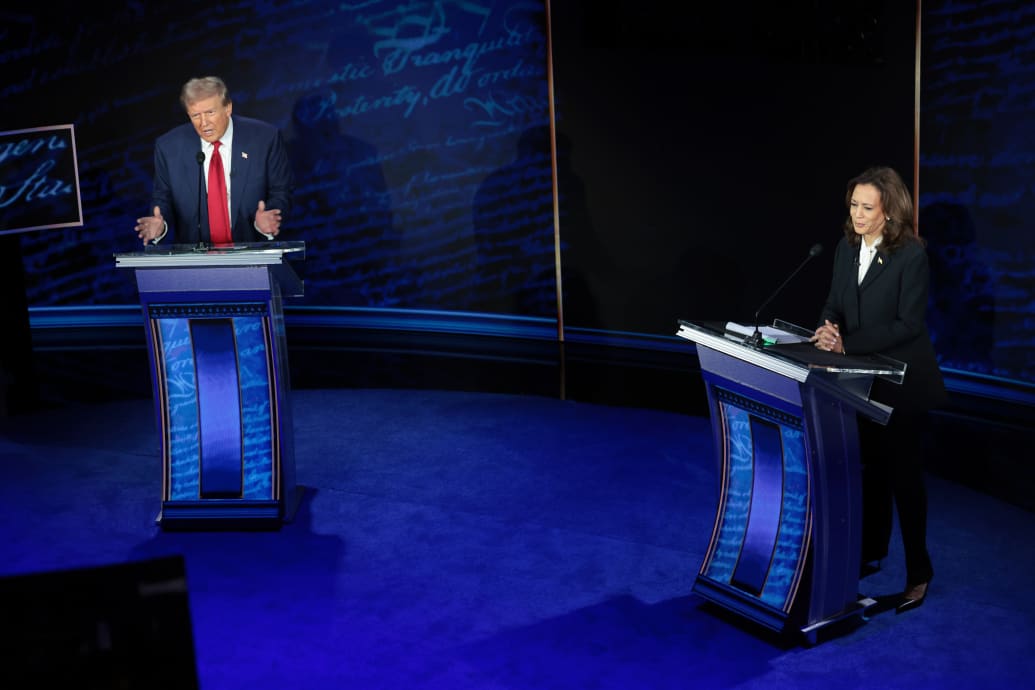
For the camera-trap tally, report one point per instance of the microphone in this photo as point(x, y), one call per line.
point(755, 339)
point(200, 158)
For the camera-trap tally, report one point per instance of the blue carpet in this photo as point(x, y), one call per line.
point(458, 540)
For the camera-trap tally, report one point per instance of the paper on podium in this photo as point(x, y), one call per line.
point(771, 335)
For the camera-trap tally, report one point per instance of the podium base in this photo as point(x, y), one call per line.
point(829, 627)
point(229, 514)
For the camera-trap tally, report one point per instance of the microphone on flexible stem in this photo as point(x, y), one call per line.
point(200, 158)
point(755, 339)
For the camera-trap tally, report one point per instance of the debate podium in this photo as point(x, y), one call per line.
point(785, 547)
point(219, 371)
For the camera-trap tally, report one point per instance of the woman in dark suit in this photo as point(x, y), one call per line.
point(877, 304)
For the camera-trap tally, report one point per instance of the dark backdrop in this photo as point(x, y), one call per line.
point(714, 142)
point(701, 150)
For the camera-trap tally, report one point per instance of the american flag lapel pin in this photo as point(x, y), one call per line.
point(244, 155)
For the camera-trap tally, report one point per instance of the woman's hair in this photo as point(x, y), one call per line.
point(897, 204)
point(200, 88)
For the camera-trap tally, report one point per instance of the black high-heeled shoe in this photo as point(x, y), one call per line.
point(913, 597)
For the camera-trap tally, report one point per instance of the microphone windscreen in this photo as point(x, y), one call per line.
point(200, 157)
point(816, 250)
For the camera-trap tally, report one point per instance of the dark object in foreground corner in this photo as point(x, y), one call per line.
point(118, 626)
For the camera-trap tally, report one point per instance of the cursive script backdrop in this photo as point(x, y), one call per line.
point(977, 183)
point(39, 185)
point(415, 131)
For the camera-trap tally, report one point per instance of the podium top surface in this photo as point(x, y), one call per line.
point(250, 254)
point(794, 360)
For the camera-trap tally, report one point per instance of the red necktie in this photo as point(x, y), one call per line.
point(218, 215)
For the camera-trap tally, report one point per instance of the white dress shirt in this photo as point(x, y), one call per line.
point(866, 254)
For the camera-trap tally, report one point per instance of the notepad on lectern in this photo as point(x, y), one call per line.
point(770, 334)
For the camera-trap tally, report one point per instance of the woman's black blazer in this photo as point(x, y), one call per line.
point(886, 314)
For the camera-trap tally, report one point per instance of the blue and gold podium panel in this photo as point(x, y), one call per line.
point(760, 541)
point(214, 367)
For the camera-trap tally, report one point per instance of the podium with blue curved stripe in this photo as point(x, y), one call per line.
point(218, 355)
point(785, 546)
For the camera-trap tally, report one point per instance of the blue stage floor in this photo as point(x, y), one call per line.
point(462, 540)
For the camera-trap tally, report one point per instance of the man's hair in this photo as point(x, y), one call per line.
point(200, 88)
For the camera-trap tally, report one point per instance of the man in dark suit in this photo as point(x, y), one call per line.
point(255, 166)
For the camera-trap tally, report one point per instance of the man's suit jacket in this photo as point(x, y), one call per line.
point(260, 170)
point(886, 314)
